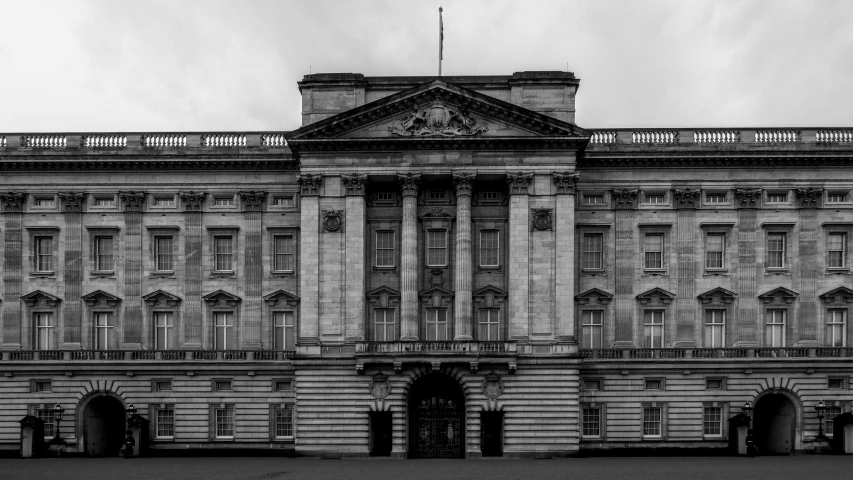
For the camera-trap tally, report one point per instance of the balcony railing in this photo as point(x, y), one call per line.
point(721, 136)
point(144, 355)
point(120, 141)
point(713, 353)
point(481, 348)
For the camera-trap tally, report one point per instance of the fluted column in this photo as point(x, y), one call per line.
point(462, 279)
point(409, 258)
point(806, 327)
point(519, 254)
point(253, 205)
point(72, 207)
point(192, 304)
point(686, 201)
point(624, 202)
point(564, 218)
point(134, 203)
point(309, 259)
point(355, 256)
point(13, 207)
point(747, 325)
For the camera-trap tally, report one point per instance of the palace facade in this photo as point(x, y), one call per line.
point(428, 267)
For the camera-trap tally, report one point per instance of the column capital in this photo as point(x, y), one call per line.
point(518, 182)
point(193, 201)
point(409, 182)
point(566, 182)
point(133, 201)
point(624, 199)
point(463, 182)
point(748, 197)
point(309, 184)
point(355, 183)
point(686, 198)
point(72, 201)
point(253, 201)
point(13, 201)
point(809, 197)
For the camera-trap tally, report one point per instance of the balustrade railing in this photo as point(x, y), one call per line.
point(716, 136)
point(144, 355)
point(777, 136)
point(834, 136)
point(165, 141)
point(602, 138)
point(435, 347)
point(2, 141)
point(44, 141)
point(655, 136)
point(223, 140)
point(714, 353)
point(273, 140)
point(105, 141)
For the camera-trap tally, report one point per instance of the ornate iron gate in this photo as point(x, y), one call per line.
point(437, 423)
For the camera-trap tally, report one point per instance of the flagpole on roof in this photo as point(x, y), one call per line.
point(440, 40)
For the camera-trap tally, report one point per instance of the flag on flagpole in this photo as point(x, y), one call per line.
point(440, 35)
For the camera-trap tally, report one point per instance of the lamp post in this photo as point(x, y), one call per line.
point(820, 408)
point(129, 442)
point(57, 417)
point(131, 411)
point(750, 440)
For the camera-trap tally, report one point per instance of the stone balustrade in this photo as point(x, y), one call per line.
point(223, 140)
point(716, 136)
point(105, 141)
point(143, 355)
point(44, 141)
point(654, 136)
point(641, 138)
point(125, 142)
point(714, 353)
point(393, 348)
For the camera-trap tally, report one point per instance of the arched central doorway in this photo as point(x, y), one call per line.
point(775, 424)
point(436, 418)
point(103, 424)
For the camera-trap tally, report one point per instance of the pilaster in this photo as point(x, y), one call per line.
point(519, 244)
point(625, 202)
point(409, 258)
point(806, 328)
point(746, 278)
point(134, 204)
point(309, 259)
point(192, 304)
point(356, 264)
point(686, 202)
point(463, 182)
point(564, 220)
point(72, 318)
point(253, 205)
point(13, 207)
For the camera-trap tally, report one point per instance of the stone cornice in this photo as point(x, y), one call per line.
point(142, 163)
point(706, 159)
point(566, 182)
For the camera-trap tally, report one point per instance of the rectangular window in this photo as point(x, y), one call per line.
point(653, 329)
point(592, 385)
point(163, 386)
point(285, 331)
point(104, 253)
point(715, 328)
point(715, 251)
point(489, 248)
point(712, 421)
point(488, 325)
point(715, 198)
point(283, 201)
point(436, 324)
point(385, 248)
point(836, 383)
point(591, 422)
point(713, 384)
point(653, 384)
point(437, 194)
point(593, 251)
point(163, 257)
point(777, 198)
point(284, 253)
point(653, 250)
point(43, 254)
point(652, 422)
point(223, 201)
point(46, 415)
point(41, 386)
point(105, 202)
point(224, 422)
point(103, 324)
point(654, 198)
point(164, 419)
point(44, 202)
point(44, 329)
point(283, 421)
point(836, 250)
point(591, 328)
point(489, 196)
point(776, 250)
point(836, 198)
point(384, 325)
point(436, 248)
point(223, 324)
point(163, 325)
point(828, 418)
point(222, 385)
point(836, 328)
point(385, 196)
point(283, 385)
point(774, 333)
point(593, 199)
point(223, 252)
point(164, 201)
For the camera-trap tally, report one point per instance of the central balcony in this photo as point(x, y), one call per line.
point(457, 348)
point(437, 353)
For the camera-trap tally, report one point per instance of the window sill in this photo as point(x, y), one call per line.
point(653, 439)
point(103, 273)
point(282, 273)
point(223, 439)
point(384, 269)
point(654, 272)
point(593, 271)
point(164, 439)
point(43, 274)
point(777, 271)
point(284, 440)
point(716, 271)
point(222, 273)
point(838, 271)
point(163, 274)
point(489, 268)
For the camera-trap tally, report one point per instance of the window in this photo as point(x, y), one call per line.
point(222, 385)
point(283, 200)
point(836, 249)
point(653, 249)
point(591, 422)
point(437, 194)
point(164, 422)
point(384, 325)
point(104, 253)
point(713, 384)
point(44, 202)
point(593, 199)
point(103, 324)
point(591, 328)
point(652, 422)
point(592, 385)
point(223, 201)
point(163, 326)
point(489, 196)
point(105, 202)
point(653, 384)
point(385, 196)
point(285, 333)
point(777, 197)
point(712, 421)
point(283, 385)
point(715, 328)
point(593, 250)
point(715, 251)
point(489, 248)
point(284, 253)
point(223, 421)
point(385, 248)
point(654, 198)
point(223, 324)
point(716, 198)
point(283, 421)
point(774, 333)
point(164, 201)
point(653, 328)
point(436, 248)
point(43, 254)
point(829, 416)
point(162, 385)
point(836, 197)
point(836, 328)
point(163, 257)
point(488, 325)
point(223, 253)
point(44, 330)
point(41, 386)
point(836, 383)
point(436, 324)
point(776, 250)
point(46, 415)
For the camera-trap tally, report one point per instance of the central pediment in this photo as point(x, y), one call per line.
point(435, 112)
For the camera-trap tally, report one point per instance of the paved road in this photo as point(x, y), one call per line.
point(243, 468)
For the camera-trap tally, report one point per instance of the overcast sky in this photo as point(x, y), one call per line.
point(116, 65)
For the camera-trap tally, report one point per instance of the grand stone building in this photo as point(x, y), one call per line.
point(428, 267)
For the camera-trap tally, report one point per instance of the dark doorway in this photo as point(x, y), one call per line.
point(380, 434)
point(437, 413)
point(104, 417)
point(491, 433)
point(774, 422)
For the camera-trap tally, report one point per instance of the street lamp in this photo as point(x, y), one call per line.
point(750, 439)
point(820, 408)
point(131, 411)
point(57, 416)
point(129, 442)
point(747, 409)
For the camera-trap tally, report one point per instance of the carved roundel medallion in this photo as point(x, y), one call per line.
point(493, 387)
point(380, 387)
point(332, 220)
point(542, 219)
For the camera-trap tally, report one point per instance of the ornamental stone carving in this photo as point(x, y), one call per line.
point(380, 386)
point(355, 183)
point(13, 202)
point(809, 197)
point(748, 197)
point(624, 199)
point(686, 197)
point(464, 183)
point(253, 201)
point(437, 120)
point(309, 184)
point(519, 182)
point(409, 182)
point(437, 212)
point(72, 201)
point(566, 182)
point(333, 220)
point(193, 201)
point(493, 387)
point(133, 201)
point(542, 218)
